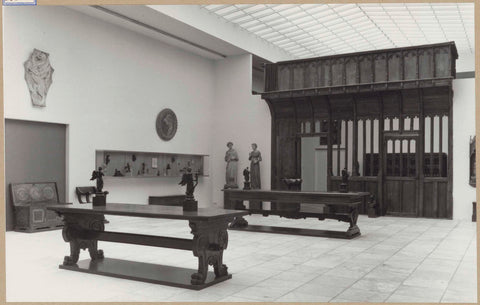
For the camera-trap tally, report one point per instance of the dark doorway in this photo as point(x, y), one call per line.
point(34, 152)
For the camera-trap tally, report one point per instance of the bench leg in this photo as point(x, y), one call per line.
point(210, 239)
point(73, 233)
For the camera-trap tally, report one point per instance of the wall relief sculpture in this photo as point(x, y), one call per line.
point(38, 75)
point(166, 124)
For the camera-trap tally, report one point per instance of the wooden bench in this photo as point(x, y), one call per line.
point(86, 191)
point(170, 200)
point(298, 204)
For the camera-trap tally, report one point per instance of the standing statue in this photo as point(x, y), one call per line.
point(98, 176)
point(246, 176)
point(255, 157)
point(191, 182)
point(231, 157)
point(38, 75)
point(344, 184)
point(100, 197)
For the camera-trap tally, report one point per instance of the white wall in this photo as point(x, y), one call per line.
point(109, 85)
point(239, 117)
point(463, 128)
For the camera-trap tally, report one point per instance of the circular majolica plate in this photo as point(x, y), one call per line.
point(166, 124)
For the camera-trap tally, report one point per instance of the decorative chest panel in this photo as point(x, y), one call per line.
point(30, 201)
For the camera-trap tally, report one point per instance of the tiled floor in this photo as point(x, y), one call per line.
point(394, 260)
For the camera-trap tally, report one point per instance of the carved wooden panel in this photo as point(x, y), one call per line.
point(442, 62)
point(326, 78)
point(320, 107)
point(298, 76)
point(286, 164)
point(436, 101)
point(410, 64)
point(351, 69)
point(435, 200)
point(283, 77)
point(391, 105)
point(303, 109)
point(366, 72)
point(367, 106)
point(425, 63)
point(271, 78)
point(400, 197)
point(395, 66)
point(284, 109)
point(311, 75)
point(411, 102)
point(380, 68)
point(342, 107)
point(337, 72)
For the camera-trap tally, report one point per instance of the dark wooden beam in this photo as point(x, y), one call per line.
point(297, 141)
point(440, 145)
point(146, 240)
point(273, 146)
point(432, 164)
point(381, 160)
point(372, 148)
point(364, 161)
point(339, 140)
point(346, 144)
point(355, 139)
point(450, 156)
point(329, 146)
point(420, 156)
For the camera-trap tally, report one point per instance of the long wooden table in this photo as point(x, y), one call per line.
point(292, 204)
point(84, 227)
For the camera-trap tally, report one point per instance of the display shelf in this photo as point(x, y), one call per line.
point(125, 164)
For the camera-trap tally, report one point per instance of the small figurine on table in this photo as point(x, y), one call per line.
point(246, 176)
point(100, 197)
point(190, 180)
point(344, 184)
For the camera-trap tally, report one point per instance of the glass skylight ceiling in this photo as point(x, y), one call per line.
point(311, 30)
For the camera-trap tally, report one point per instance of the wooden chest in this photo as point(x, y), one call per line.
point(30, 201)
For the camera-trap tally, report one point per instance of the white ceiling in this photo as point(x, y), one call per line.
point(311, 30)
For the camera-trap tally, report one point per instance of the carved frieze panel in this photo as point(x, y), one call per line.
point(395, 66)
point(442, 62)
point(366, 72)
point(380, 67)
point(337, 71)
point(425, 63)
point(284, 77)
point(410, 64)
point(351, 71)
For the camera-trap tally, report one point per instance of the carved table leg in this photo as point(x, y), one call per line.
point(353, 229)
point(209, 241)
point(75, 233)
point(74, 253)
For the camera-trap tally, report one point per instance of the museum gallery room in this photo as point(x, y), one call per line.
point(240, 153)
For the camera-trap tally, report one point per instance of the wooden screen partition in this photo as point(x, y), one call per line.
point(384, 115)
